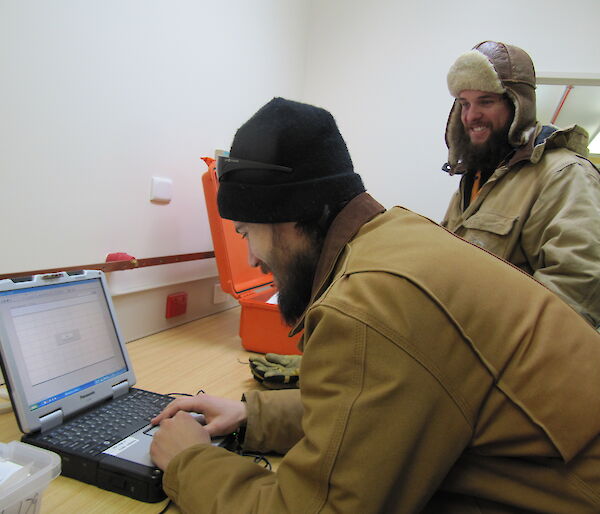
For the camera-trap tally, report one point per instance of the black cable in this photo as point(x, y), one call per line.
point(169, 503)
point(257, 459)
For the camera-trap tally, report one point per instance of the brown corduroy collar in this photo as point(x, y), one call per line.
point(344, 227)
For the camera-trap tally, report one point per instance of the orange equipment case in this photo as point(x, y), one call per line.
point(261, 326)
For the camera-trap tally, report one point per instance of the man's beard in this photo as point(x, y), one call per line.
point(485, 156)
point(294, 275)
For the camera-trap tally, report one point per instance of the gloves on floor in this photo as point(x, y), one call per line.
point(276, 371)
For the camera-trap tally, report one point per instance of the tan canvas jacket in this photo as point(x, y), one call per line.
point(418, 394)
point(541, 212)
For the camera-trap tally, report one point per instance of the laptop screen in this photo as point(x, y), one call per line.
point(61, 341)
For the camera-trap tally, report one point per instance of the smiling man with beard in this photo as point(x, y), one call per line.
point(435, 377)
point(527, 193)
point(484, 141)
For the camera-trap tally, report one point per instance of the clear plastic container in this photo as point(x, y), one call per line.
point(24, 496)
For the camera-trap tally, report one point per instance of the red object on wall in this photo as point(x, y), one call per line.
point(176, 304)
point(119, 256)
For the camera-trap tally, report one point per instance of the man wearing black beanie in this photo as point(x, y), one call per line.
point(435, 377)
point(308, 179)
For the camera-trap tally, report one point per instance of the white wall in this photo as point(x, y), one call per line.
point(98, 97)
point(380, 67)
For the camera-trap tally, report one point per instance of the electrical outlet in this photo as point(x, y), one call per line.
point(176, 304)
point(219, 295)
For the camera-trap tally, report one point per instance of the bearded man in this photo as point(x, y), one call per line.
point(527, 193)
point(426, 387)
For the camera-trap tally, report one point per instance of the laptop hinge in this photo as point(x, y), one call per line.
point(120, 389)
point(51, 420)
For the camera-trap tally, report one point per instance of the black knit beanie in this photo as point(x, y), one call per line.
point(293, 135)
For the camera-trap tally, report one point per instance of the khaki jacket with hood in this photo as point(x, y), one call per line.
point(435, 378)
point(540, 209)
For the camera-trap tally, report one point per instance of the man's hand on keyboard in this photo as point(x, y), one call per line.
point(222, 416)
point(175, 435)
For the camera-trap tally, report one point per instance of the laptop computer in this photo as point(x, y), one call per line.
point(71, 381)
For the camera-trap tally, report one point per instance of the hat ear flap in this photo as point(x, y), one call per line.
point(453, 126)
point(522, 97)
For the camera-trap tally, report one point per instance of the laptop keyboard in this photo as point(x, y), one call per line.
point(97, 430)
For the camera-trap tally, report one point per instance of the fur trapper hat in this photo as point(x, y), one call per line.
point(497, 68)
point(305, 141)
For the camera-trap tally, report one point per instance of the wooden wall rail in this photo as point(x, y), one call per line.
point(120, 265)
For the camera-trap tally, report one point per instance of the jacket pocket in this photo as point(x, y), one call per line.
point(491, 231)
